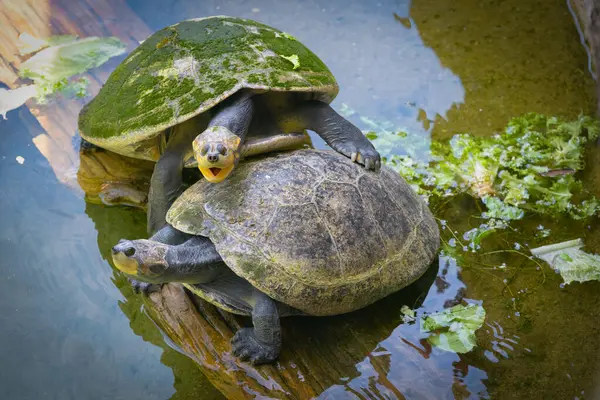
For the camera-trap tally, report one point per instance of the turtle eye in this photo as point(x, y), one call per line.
point(204, 150)
point(221, 149)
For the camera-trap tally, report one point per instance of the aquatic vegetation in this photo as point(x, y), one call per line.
point(408, 314)
point(51, 68)
point(530, 167)
point(453, 329)
point(573, 264)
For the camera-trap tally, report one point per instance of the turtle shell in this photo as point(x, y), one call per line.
point(183, 70)
point(313, 230)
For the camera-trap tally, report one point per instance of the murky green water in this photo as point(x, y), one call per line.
point(71, 327)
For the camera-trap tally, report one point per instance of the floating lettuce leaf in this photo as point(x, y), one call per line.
point(293, 59)
point(476, 235)
point(573, 264)
point(408, 314)
point(500, 210)
point(51, 68)
point(28, 44)
point(454, 329)
point(530, 167)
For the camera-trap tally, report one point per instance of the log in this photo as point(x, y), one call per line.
point(318, 355)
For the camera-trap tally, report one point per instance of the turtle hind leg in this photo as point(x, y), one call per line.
point(339, 133)
point(262, 343)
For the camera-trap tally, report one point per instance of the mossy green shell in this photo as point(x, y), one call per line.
point(314, 230)
point(185, 69)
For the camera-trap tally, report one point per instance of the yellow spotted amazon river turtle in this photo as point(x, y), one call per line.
point(301, 232)
point(220, 74)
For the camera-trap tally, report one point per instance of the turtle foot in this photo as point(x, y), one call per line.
point(143, 287)
point(247, 347)
point(364, 154)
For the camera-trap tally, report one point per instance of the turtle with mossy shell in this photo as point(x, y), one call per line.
point(302, 232)
point(186, 96)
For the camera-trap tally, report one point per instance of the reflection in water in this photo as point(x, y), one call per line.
point(511, 56)
point(404, 365)
point(60, 314)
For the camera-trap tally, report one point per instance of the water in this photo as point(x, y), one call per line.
point(72, 327)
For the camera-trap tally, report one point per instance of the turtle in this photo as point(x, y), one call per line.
point(303, 232)
point(221, 73)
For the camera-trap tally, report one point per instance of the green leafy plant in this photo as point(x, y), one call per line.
point(530, 167)
point(572, 263)
point(454, 328)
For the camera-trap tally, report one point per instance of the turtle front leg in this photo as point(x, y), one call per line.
point(339, 133)
point(165, 187)
point(261, 344)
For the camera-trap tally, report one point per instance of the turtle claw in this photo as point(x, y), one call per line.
point(143, 287)
point(369, 157)
point(246, 347)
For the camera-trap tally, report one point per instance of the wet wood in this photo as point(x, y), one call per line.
point(337, 357)
point(203, 333)
point(112, 179)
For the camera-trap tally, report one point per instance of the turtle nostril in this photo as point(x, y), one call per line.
point(213, 158)
point(130, 251)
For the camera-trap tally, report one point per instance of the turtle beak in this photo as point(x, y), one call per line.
point(216, 174)
point(216, 166)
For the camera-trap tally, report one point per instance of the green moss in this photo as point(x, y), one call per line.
point(182, 63)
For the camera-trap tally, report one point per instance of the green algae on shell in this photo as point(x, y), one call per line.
point(185, 69)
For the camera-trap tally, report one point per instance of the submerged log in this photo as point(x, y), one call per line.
point(320, 355)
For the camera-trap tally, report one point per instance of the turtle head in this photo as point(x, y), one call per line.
point(144, 259)
point(217, 151)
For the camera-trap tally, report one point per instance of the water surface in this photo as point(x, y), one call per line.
point(72, 328)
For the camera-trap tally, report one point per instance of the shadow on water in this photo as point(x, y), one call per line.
point(436, 68)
